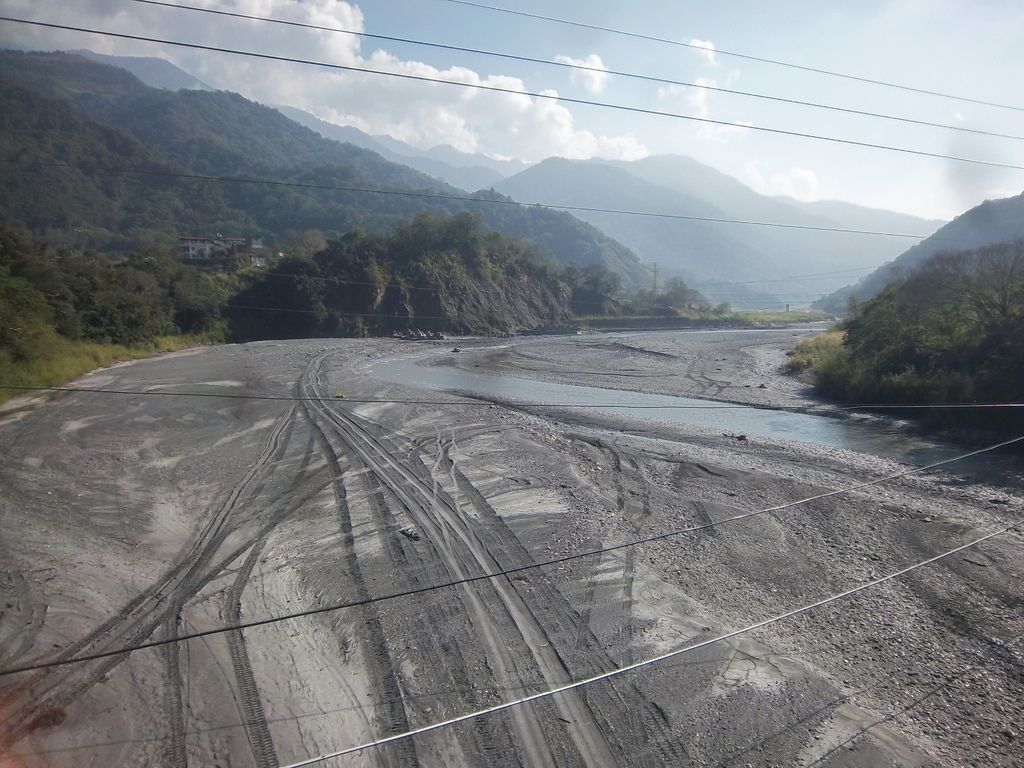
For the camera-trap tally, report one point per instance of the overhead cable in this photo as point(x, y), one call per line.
point(514, 91)
point(712, 406)
point(40, 665)
point(465, 198)
point(654, 659)
point(574, 66)
point(735, 54)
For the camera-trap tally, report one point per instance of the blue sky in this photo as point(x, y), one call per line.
point(959, 47)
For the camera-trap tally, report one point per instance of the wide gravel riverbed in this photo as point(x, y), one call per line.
point(181, 504)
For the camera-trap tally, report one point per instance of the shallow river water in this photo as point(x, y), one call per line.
point(866, 433)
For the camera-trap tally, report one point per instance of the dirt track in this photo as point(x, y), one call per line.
point(130, 517)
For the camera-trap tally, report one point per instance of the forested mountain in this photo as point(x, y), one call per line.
point(62, 310)
point(994, 221)
point(77, 111)
point(801, 250)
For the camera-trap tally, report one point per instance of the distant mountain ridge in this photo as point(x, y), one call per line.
point(726, 260)
point(152, 71)
point(711, 254)
point(471, 177)
point(994, 221)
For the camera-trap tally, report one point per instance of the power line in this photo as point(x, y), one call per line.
point(469, 199)
point(714, 406)
point(656, 659)
point(577, 67)
point(736, 54)
point(516, 92)
point(505, 572)
point(797, 277)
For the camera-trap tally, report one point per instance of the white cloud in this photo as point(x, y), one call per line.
point(695, 100)
point(591, 79)
point(998, 193)
point(423, 114)
point(708, 51)
point(799, 183)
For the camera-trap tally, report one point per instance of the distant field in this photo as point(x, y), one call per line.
point(775, 318)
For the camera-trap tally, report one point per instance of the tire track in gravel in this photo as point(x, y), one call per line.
point(438, 517)
point(365, 450)
point(175, 751)
point(627, 713)
point(380, 669)
point(56, 688)
point(255, 719)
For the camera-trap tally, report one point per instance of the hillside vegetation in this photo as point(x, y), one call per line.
point(439, 274)
point(66, 109)
point(63, 312)
point(949, 333)
point(991, 223)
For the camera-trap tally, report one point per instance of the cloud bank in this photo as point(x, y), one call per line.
point(422, 114)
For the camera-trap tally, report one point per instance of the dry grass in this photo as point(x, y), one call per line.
point(811, 353)
point(61, 361)
point(781, 318)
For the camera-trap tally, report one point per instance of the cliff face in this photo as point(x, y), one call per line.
point(450, 275)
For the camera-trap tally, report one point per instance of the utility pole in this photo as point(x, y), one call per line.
point(654, 288)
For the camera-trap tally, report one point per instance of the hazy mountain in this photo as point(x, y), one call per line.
point(460, 159)
point(797, 250)
point(468, 178)
point(861, 217)
point(712, 253)
point(994, 221)
point(83, 112)
point(154, 72)
point(702, 252)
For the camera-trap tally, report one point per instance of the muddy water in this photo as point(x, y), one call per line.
point(876, 435)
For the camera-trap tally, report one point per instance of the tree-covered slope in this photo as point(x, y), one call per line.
point(994, 221)
point(75, 103)
point(711, 254)
point(949, 331)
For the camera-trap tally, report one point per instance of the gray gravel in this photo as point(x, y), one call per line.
point(129, 517)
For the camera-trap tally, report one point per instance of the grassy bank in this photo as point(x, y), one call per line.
point(816, 353)
point(62, 361)
point(782, 318)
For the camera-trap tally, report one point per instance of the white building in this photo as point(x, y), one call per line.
point(206, 247)
point(214, 249)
